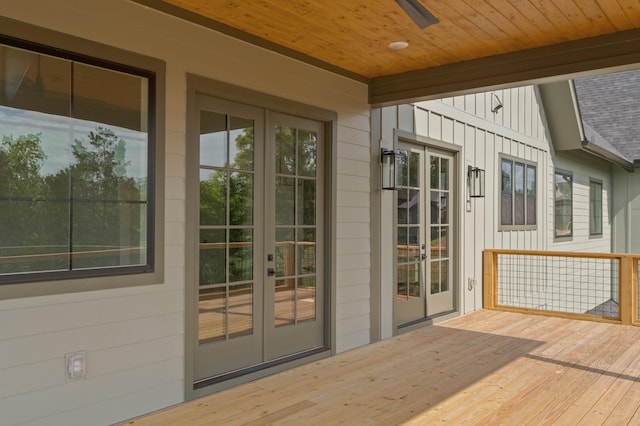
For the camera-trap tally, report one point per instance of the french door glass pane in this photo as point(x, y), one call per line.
point(213, 256)
point(413, 280)
point(444, 174)
point(435, 207)
point(296, 199)
point(414, 173)
point(285, 252)
point(285, 302)
point(213, 197)
point(306, 299)
point(434, 172)
point(402, 246)
point(241, 143)
point(435, 277)
point(241, 255)
point(285, 200)
point(444, 208)
point(285, 150)
point(401, 282)
point(240, 312)
point(226, 246)
point(213, 139)
point(444, 241)
point(403, 206)
point(444, 275)
point(436, 243)
point(212, 308)
point(414, 244)
point(241, 198)
point(414, 206)
point(307, 153)
point(306, 204)
point(306, 256)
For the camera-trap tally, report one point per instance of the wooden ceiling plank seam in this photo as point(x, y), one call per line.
point(558, 17)
point(494, 33)
point(630, 7)
point(615, 14)
point(576, 17)
point(537, 18)
point(596, 16)
point(456, 24)
point(511, 14)
point(503, 24)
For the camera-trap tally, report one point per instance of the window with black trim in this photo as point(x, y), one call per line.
point(517, 194)
point(76, 165)
point(563, 202)
point(595, 208)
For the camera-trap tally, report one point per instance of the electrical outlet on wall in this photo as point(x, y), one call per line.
point(471, 283)
point(76, 365)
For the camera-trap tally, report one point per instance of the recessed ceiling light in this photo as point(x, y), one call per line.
point(398, 45)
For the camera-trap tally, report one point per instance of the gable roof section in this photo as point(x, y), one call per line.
point(599, 115)
point(610, 106)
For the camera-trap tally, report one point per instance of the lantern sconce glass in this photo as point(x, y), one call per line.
point(475, 180)
point(391, 167)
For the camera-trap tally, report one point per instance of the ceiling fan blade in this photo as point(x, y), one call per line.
point(418, 13)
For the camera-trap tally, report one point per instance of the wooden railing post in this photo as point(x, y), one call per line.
point(490, 279)
point(627, 283)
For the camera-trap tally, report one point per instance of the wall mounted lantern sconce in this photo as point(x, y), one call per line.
point(475, 180)
point(391, 167)
point(496, 103)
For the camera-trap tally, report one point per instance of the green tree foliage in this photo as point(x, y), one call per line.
point(91, 205)
point(21, 189)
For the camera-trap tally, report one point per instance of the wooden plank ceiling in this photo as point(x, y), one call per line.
point(352, 36)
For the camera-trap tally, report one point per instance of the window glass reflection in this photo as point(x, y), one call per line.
point(74, 151)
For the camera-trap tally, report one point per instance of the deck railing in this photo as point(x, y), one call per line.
point(594, 286)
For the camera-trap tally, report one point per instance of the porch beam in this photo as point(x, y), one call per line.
point(619, 51)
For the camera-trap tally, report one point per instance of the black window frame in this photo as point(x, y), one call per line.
point(527, 222)
point(43, 41)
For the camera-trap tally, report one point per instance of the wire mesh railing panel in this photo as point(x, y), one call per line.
point(561, 284)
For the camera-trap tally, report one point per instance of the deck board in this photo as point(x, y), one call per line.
point(487, 367)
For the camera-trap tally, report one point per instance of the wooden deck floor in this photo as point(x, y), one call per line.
point(485, 368)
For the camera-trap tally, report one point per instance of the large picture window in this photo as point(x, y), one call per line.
point(595, 208)
point(517, 194)
point(76, 169)
point(563, 200)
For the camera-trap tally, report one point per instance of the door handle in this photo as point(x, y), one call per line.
point(424, 256)
point(271, 272)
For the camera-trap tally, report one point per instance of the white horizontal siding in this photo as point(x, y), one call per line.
point(583, 169)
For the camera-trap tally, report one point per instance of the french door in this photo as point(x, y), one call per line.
point(260, 282)
point(424, 211)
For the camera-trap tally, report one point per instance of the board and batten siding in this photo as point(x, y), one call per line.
point(134, 337)
point(516, 130)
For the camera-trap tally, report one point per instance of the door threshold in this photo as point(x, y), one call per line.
point(429, 319)
point(219, 378)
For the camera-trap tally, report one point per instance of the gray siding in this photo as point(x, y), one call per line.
point(134, 337)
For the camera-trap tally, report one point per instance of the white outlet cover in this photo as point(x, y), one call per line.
point(76, 364)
